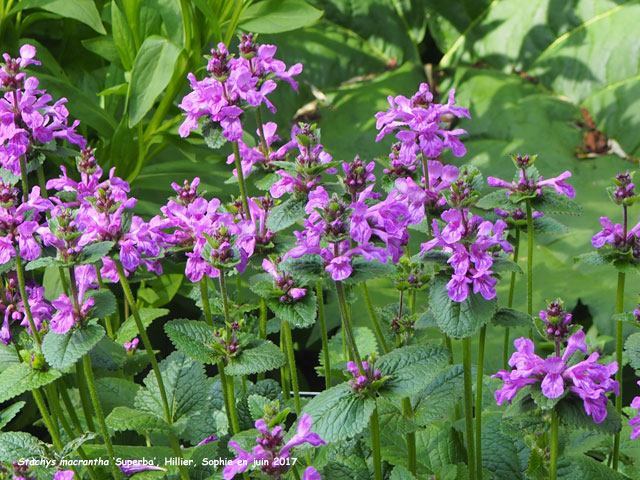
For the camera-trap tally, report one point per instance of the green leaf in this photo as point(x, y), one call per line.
point(401, 473)
point(306, 269)
point(262, 285)
point(161, 290)
point(300, 313)
point(544, 402)
point(116, 392)
point(257, 405)
point(171, 13)
point(274, 16)
point(212, 134)
point(411, 368)
point(76, 443)
point(580, 467)
point(42, 262)
point(549, 225)
point(365, 341)
point(509, 317)
point(16, 445)
point(108, 354)
point(286, 214)
point(592, 258)
point(123, 37)
point(632, 349)
point(62, 351)
point(495, 199)
point(339, 414)
point(20, 377)
point(9, 413)
point(185, 385)
point(128, 330)
point(256, 357)
point(82, 10)
point(152, 70)
point(502, 264)
point(105, 303)
point(500, 453)
point(95, 252)
point(8, 357)
point(193, 338)
point(551, 202)
point(103, 46)
point(438, 398)
point(364, 270)
point(436, 256)
point(459, 319)
point(123, 418)
point(572, 415)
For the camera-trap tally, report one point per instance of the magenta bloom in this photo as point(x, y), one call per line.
point(63, 475)
point(283, 282)
point(528, 185)
point(131, 346)
point(131, 467)
point(311, 473)
point(589, 380)
point(635, 421)
point(68, 314)
point(270, 449)
point(206, 440)
point(253, 156)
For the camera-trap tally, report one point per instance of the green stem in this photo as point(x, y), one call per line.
point(481, 344)
point(293, 371)
point(468, 408)
point(512, 287)
point(231, 398)
point(70, 410)
point(410, 438)
point(529, 262)
point(375, 445)
point(243, 191)
point(553, 455)
point(145, 340)
point(262, 328)
point(374, 318)
point(225, 392)
point(263, 141)
point(44, 413)
point(204, 295)
point(347, 327)
point(449, 345)
point(84, 396)
point(23, 176)
point(97, 407)
point(323, 335)
point(284, 371)
point(619, 342)
point(107, 319)
point(25, 301)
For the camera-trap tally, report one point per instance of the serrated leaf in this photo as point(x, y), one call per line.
point(411, 368)
point(392, 421)
point(500, 453)
point(128, 330)
point(62, 351)
point(459, 319)
point(185, 385)
point(20, 377)
point(572, 415)
point(581, 467)
point(257, 405)
point(95, 252)
point(549, 225)
point(632, 349)
point(438, 398)
point(76, 443)
point(364, 270)
point(401, 473)
point(116, 392)
point(9, 413)
point(262, 285)
point(286, 214)
point(105, 303)
point(212, 134)
point(300, 313)
point(193, 338)
point(437, 446)
point(502, 264)
point(509, 317)
point(43, 261)
point(123, 418)
point(8, 357)
point(544, 402)
point(306, 269)
point(16, 445)
point(258, 356)
point(551, 202)
point(108, 354)
point(339, 414)
point(436, 256)
point(495, 199)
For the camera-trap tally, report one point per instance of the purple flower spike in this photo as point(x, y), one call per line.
point(12, 306)
point(635, 421)
point(131, 467)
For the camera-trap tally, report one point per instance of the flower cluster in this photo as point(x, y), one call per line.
point(271, 450)
point(556, 320)
point(472, 243)
point(588, 379)
point(516, 217)
point(421, 125)
point(74, 311)
point(361, 383)
point(27, 119)
point(250, 156)
point(233, 83)
point(635, 421)
point(283, 282)
point(624, 191)
point(357, 176)
point(132, 346)
point(12, 306)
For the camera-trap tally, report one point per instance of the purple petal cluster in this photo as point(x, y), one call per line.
point(73, 311)
point(360, 383)
point(635, 421)
point(64, 475)
point(532, 184)
point(12, 306)
point(613, 235)
point(421, 125)
point(358, 176)
point(588, 379)
point(27, 119)
point(624, 191)
point(19, 221)
point(254, 232)
point(283, 282)
point(131, 346)
point(250, 156)
point(469, 239)
point(272, 450)
point(234, 83)
point(557, 321)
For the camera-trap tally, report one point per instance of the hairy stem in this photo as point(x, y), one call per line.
point(410, 438)
point(468, 408)
point(553, 454)
point(529, 262)
point(374, 318)
point(25, 301)
point(293, 371)
point(481, 343)
point(347, 327)
point(619, 344)
point(375, 445)
point(227, 321)
point(512, 287)
point(241, 186)
point(323, 335)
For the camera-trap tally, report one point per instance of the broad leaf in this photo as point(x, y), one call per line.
point(9, 413)
point(20, 377)
point(632, 348)
point(306, 269)
point(339, 414)
point(286, 214)
point(364, 270)
point(501, 455)
point(82, 10)
point(194, 339)
point(94, 252)
point(16, 445)
point(572, 415)
point(436, 400)
point(104, 303)
point(62, 351)
point(509, 317)
point(459, 319)
point(123, 418)
point(299, 314)
point(128, 330)
point(116, 392)
point(274, 16)
point(256, 357)
point(108, 354)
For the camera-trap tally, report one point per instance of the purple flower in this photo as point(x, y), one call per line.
point(63, 475)
point(131, 346)
point(533, 184)
point(253, 156)
point(283, 282)
point(361, 383)
point(131, 467)
point(635, 421)
point(557, 320)
point(418, 122)
point(357, 175)
point(270, 451)
point(206, 440)
point(69, 313)
point(588, 380)
point(311, 473)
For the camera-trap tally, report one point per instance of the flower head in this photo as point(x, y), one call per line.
point(635, 421)
point(556, 320)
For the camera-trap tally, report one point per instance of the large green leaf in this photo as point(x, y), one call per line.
point(300, 313)
point(632, 349)
point(256, 357)
point(500, 454)
point(411, 368)
point(84, 11)
point(339, 414)
point(194, 339)
point(458, 319)
point(16, 445)
point(123, 418)
point(20, 377)
point(436, 399)
point(128, 330)
point(185, 384)
point(62, 351)
point(152, 70)
point(274, 16)
point(9, 413)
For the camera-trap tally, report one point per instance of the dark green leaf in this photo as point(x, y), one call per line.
point(20, 377)
point(286, 214)
point(116, 392)
point(500, 453)
point(108, 354)
point(632, 349)
point(128, 330)
point(509, 317)
point(274, 16)
point(123, 37)
point(364, 270)
point(105, 303)
point(572, 415)
point(551, 202)
point(438, 398)
point(212, 134)
point(62, 351)
point(123, 418)
point(300, 313)
point(258, 356)
point(16, 445)
point(306, 269)
point(194, 339)
point(82, 10)
point(95, 252)
point(9, 413)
